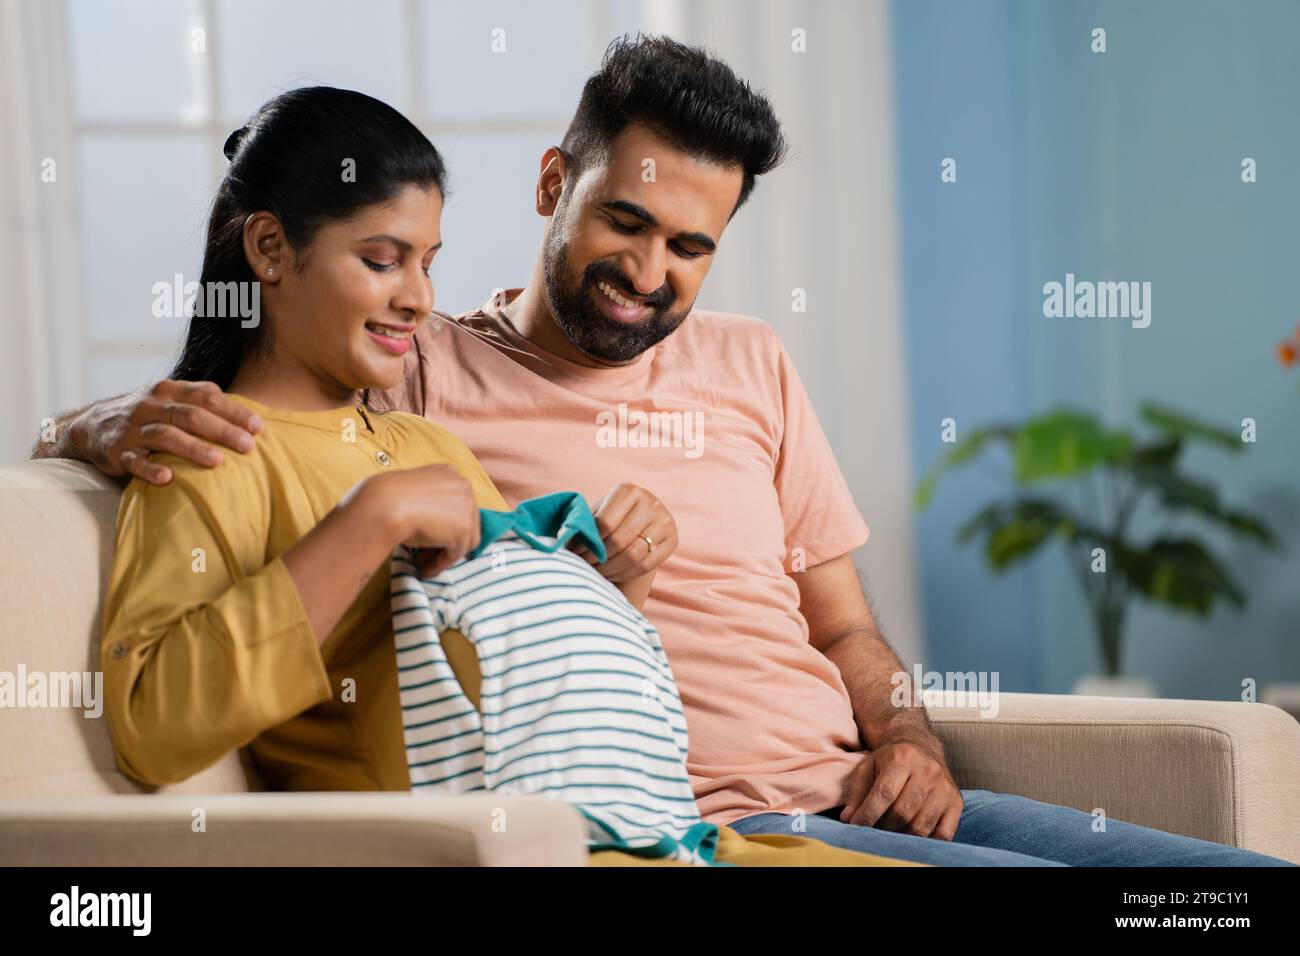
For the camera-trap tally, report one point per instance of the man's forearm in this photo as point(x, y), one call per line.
point(869, 668)
point(58, 441)
point(191, 420)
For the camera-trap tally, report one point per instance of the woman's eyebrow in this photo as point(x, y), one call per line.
point(400, 243)
point(385, 237)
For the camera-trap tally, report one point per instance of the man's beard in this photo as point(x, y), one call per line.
point(590, 331)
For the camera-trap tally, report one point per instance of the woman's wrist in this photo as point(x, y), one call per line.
point(373, 514)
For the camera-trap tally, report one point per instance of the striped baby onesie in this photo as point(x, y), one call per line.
point(578, 700)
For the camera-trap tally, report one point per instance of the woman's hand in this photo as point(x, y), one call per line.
point(431, 509)
point(639, 536)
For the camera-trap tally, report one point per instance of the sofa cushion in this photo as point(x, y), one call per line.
point(57, 522)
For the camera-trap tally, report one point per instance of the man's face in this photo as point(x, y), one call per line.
point(630, 242)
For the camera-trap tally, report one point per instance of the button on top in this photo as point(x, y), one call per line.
point(383, 458)
point(117, 651)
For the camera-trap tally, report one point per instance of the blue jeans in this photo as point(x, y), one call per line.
point(1000, 829)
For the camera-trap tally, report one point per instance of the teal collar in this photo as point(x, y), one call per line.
point(561, 516)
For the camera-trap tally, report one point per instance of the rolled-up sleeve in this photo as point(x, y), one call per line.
point(204, 644)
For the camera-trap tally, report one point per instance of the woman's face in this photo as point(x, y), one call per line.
point(348, 305)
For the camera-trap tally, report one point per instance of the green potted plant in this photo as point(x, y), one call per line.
point(1114, 473)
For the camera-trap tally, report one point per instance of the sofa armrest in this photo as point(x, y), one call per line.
point(291, 829)
point(1215, 770)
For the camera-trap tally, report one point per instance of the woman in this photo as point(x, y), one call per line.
point(249, 605)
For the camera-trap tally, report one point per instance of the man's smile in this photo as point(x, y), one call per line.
point(619, 307)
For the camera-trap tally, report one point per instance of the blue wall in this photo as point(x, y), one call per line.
point(1122, 165)
point(957, 82)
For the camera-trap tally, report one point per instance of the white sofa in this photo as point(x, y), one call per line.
point(1228, 772)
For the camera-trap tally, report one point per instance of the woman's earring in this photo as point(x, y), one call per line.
point(270, 271)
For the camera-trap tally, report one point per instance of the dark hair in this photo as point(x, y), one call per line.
point(682, 94)
point(289, 161)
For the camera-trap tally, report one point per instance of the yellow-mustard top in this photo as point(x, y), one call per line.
point(206, 646)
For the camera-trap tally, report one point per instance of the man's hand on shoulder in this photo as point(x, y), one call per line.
point(187, 419)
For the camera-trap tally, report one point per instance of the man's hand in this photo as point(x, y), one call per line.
point(117, 435)
point(904, 786)
point(625, 518)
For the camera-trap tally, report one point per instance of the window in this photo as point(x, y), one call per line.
point(157, 86)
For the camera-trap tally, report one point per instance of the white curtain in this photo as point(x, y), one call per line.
point(40, 342)
point(826, 223)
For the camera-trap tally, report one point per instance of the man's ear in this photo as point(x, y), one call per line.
point(265, 247)
point(550, 181)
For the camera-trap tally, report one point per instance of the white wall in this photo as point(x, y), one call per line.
point(141, 115)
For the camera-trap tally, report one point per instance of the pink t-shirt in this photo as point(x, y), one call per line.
point(715, 422)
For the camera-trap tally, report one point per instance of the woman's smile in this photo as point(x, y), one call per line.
point(392, 338)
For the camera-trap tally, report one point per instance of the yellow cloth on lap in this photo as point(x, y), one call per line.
point(762, 849)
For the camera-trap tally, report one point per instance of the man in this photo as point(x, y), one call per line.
point(600, 371)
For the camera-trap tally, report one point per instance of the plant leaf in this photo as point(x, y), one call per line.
point(1179, 491)
point(1065, 443)
point(1016, 529)
point(1248, 525)
point(1183, 426)
point(1016, 539)
point(1161, 455)
point(987, 517)
point(960, 454)
point(1178, 572)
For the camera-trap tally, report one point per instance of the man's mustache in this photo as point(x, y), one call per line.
point(659, 300)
